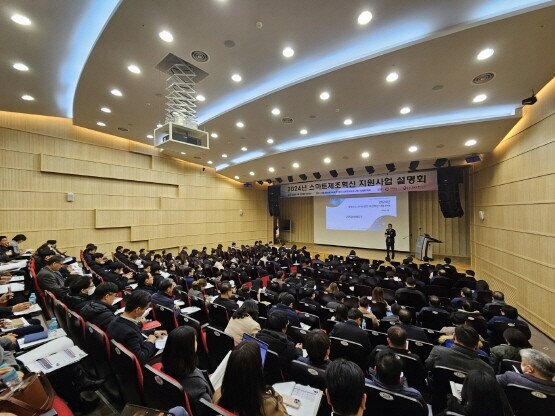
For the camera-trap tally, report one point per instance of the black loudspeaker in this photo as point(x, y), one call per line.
point(448, 180)
point(274, 192)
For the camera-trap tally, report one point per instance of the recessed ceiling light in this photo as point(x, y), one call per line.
point(27, 97)
point(201, 97)
point(236, 78)
point(209, 162)
point(224, 155)
point(236, 177)
point(116, 92)
point(158, 125)
point(327, 160)
point(405, 110)
point(149, 136)
point(251, 173)
point(105, 110)
point(324, 95)
point(288, 52)
point(20, 67)
point(276, 111)
point(392, 77)
point(470, 142)
point(21, 20)
point(240, 124)
point(347, 121)
point(166, 36)
point(271, 169)
point(161, 150)
point(244, 149)
point(269, 140)
point(364, 18)
point(480, 98)
point(303, 131)
point(101, 124)
point(183, 153)
point(134, 68)
point(365, 155)
point(485, 54)
point(413, 149)
point(295, 165)
point(214, 135)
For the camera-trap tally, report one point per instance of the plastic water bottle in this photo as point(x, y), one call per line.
point(11, 379)
point(363, 323)
point(33, 298)
point(53, 324)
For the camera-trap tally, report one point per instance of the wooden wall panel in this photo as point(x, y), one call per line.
point(301, 213)
point(514, 246)
point(125, 192)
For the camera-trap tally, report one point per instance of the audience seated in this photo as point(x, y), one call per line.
point(164, 296)
point(538, 371)
point(145, 282)
point(414, 332)
point(225, 298)
point(244, 321)
point(310, 298)
point(114, 273)
point(364, 305)
point(509, 315)
point(80, 290)
point(100, 310)
point(51, 279)
point(274, 334)
point(243, 391)
point(285, 306)
point(197, 288)
point(515, 342)
point(345, 388)
point(417, 298)
point(339, 299)
point(126, 328)
point(7, 252)
point(396, 344)
point(350, 330)
point(317, 345)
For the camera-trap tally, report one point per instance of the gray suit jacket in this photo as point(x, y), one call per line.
point(456, 357)
point(52, 281)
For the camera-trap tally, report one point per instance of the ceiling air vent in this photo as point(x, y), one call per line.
point(168, 64)
point(483, 78)
point(287, 120)
point(200, 56)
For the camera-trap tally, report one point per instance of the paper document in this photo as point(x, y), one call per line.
point(14, 265)
point(209, 286)
point(54, 334)
point(179, 302)
point(309, 397)
point(16, 287)
point(11, 324)
point(133, 285)
point(305, 326)
point(34, 308)
point(116, 300)
point(456, 389)
point(190, 310)
point(17, 279)
point(161, 343)
point(53, 355)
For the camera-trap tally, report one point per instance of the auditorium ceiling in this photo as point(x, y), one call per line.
point(292, 86)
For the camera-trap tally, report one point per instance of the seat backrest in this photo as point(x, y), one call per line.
point(342, 348)
point(508, 365)
point(165, 316)
point(202, 351)
point(442, 376)
point(420, 348)
point(97, 345)
point(376, 338)
point(60, 312)
point(527, 401)
point(202, 314)
point(49, 302)
point(381, 402)
point(163, 392)
point(76, 328)
point(484, 296)
point(297, 334)
point(379, 309)
point(128, 373)
point(309, 319)
point(414, 372)
point(413, 299)
point(219, 344)
point(307, 375)
point(272, 369)
point(435, 319)
point(218, 316)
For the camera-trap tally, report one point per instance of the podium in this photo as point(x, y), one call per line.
point(424, 246)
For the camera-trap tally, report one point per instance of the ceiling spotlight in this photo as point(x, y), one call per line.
point(183, 153)
point(303, 131)
point(209, 162)
point(201, 97)
point(21, 20)
point(161, 150)
point(213, 135)
point(240, 124)
point(279, 180)
point(364, 18)
point(333, 173)
point(317, 175)
point(101, 124)
point(134, 68)
point(27, 97)
point(288, 52)
point(405, 110)
point(347, 121)
point(224, 155)
point(470, 142)
point(271, 169)
point(440, 162)
point(485, 54)
point(105, 110)
point(276, 111)
point(295, 165)
point(149, 136)
point(303, 176)
point(260, 182)
point(327, 160)
point(270, 140)
point(365, 155)
point(116, 92)
point(166, 36)
point(413, 165)
point(251, 173)
point(158, 125)
point(413, 149)
point(20, 67)
point(530, 100)
point(370, 169)
point(236, 177)
point(244, 149)
point(390, 167)
point(290, 178)
point(236, 78)
point(480, 98)
point(324, 95)
point(350, 171)
point(392, 77)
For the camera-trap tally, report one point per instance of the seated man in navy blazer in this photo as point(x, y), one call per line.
point(164, 296)
point(350, 330)
point(126, 328)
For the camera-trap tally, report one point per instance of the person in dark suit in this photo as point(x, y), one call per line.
point(51, 279)
point(310, 298)
point(417, 298)
point(274, 334)
point(317, 345)
point(126, 329)
point(145, 282)
point(509, 314)
point(100, 310)
point(538, 371)
point(414, 332)
point(164, 296)
point(80, 290)
point(345, 388)
point(396, 344)
point(350, 330)
point(114, 273)
point(390, 235)
point(225, 298)
point(7, 252)
point(285, 305)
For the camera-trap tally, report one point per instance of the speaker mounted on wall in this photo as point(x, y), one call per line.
point(274, 193)
point(448, 180)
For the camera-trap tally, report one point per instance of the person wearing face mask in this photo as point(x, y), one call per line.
point(80, 290)
point(100, 311)
point(538, 371)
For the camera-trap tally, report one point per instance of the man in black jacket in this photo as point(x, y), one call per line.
point(396, 344)
point(114, 274)
point(225, 298)
point(350, 330)
point(278, 342)
point(100, 310)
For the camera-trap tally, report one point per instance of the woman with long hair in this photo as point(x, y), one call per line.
point(243, 391)
point(244, 321)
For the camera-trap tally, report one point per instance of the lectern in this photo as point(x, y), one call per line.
point(424, 246)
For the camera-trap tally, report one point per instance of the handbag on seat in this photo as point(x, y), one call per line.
point(33, 397)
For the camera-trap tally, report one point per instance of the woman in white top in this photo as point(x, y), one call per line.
point(244, 321)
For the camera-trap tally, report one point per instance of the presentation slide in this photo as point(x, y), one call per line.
point(360, 221)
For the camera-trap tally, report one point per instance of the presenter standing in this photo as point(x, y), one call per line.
point(390, 241)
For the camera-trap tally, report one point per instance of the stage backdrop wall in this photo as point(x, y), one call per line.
point(514, 246)
point(125, 192)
